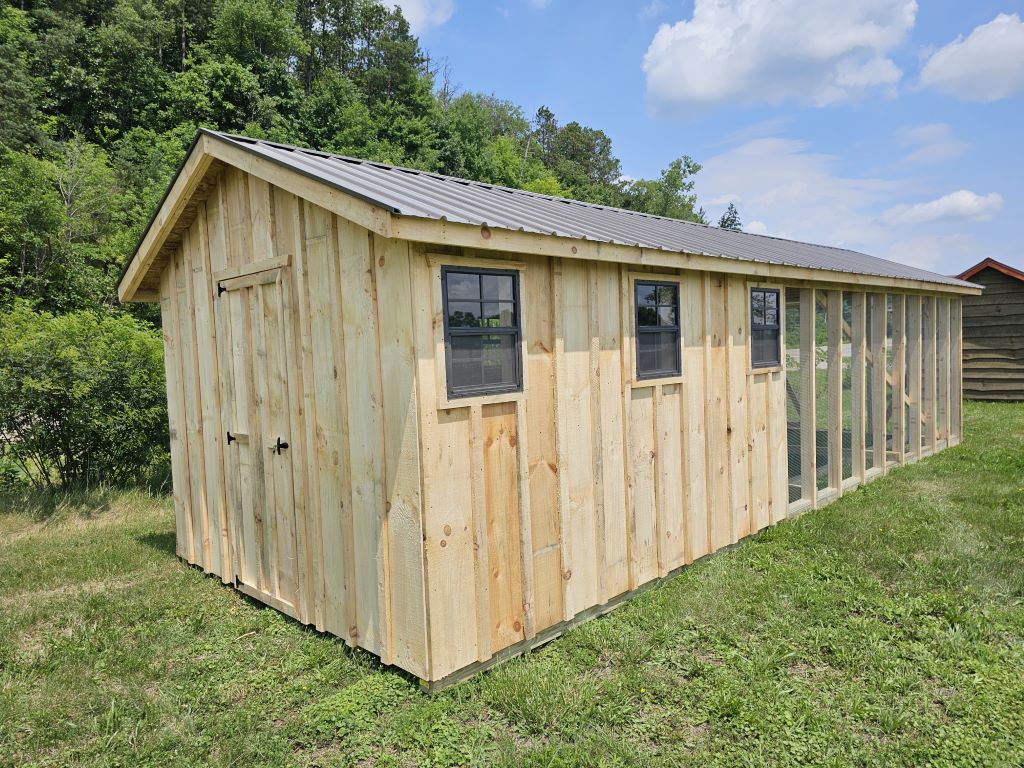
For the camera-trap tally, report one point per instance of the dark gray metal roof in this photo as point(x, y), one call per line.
point(427, 195)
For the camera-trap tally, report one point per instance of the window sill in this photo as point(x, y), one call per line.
point(446, 404)
point(656, 382)
point(752, 371)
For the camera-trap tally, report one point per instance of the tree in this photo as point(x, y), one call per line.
point(82, 398)
point(18, 89)
point(669, 195)
point(731, 219)
point(220, 93)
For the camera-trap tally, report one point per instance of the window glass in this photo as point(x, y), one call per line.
point(764, 327)
point(657, 329)
point(482, 335)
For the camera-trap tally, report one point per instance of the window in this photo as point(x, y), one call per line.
point(657, 329)
point(764, 327)
point(481, 331)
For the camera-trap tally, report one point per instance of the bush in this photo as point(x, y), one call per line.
point(82, 398)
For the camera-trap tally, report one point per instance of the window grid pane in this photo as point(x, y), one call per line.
point(657, 329)
point(764, 328)
point(482, 333)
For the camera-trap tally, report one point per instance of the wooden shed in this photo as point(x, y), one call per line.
point(994, 333)
point(444, 420)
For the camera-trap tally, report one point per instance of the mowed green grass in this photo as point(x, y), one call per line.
point(886, 629)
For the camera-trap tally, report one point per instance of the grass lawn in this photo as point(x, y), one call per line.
point(886, 629)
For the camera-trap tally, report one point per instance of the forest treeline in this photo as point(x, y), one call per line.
point(99, 100)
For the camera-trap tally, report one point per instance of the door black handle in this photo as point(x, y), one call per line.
point(231, 438)
point(279, 446)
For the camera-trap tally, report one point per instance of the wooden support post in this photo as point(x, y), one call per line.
point(899, 370)
point(913, 355)
point(834, 331)
point(942, 371)
point(956, 371)
point(877, 343)
point(928, 373)
point(858, 400)
point(808, 423)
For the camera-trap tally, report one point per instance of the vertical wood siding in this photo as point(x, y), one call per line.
point(437, 533)
point(333, 535)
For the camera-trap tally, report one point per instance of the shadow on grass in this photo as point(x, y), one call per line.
point(162, 542)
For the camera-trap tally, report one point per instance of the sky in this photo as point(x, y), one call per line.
point(887, 126)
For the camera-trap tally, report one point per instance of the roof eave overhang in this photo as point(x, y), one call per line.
point(991, 263)
point(209, 148)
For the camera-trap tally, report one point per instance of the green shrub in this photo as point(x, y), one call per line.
point(82, 398)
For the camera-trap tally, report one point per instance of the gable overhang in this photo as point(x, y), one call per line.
point(998, 266)
point(210, 153)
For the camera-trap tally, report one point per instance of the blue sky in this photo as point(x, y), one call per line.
point(886, 126)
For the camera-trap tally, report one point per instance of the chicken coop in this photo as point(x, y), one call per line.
point(445, 420)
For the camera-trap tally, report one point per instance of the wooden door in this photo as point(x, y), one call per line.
point(259, 450)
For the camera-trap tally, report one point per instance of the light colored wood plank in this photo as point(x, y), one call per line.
point(579, 563)
point(253, 268)
point(738, 313)
point(525, 521)
point(899, 373)
point(878, 375)
point(695, 477)
point(834, 332)
point(642, 485)
point(914, 383)
point(929, 383)
point(542, 463)
point(778, 447)
point(401, 454)
point(942, 367)
point(808, 400)
point(671, 528)
point(504, 573)
point(858, 384)
point(760, 474)
point(606, 390)
point(320, 280)
point(481, 542)
point(192, 407)
point(738, 430)
point(716, 416)
point(365, 434)
point(956, 355)
point(180, 491)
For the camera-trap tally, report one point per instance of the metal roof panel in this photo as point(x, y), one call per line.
point(422, 194)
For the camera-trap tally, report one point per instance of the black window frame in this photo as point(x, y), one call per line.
point(515, 331)
point(764, 326)
point(639, 329)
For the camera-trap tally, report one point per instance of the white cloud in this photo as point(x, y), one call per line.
point(424, 14)
point(652, 9)
point(794, 192)
point(962, 204)
point(931, 143)
point(947, 253)
point(986, 66)
point(751, 51)
point(784, 188)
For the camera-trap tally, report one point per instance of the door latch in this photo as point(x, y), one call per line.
point(231, 438)
point(279, 446)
